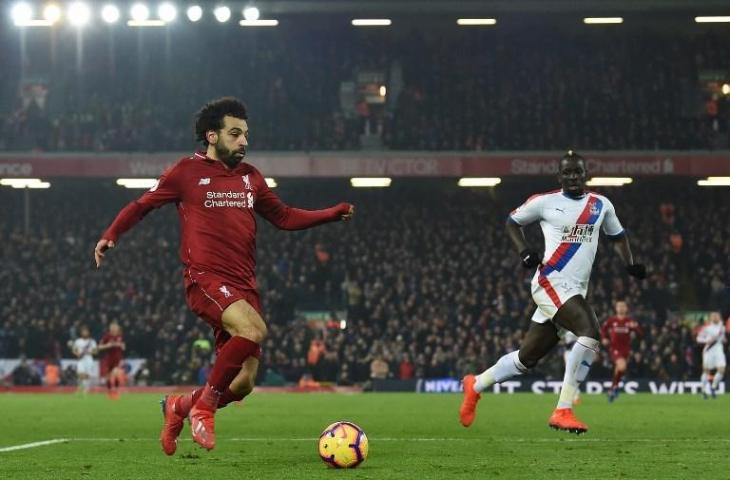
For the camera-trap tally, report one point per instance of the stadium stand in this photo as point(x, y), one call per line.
point(589, 89)
point(424, 277)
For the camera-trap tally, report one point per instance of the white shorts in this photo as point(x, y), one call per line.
point(713, 359)
point(550, 294)
point(85, 366)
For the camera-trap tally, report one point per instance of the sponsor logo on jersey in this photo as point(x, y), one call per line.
point(580, 233)
point(204, 181)
point(229, 199)
point(224, 290)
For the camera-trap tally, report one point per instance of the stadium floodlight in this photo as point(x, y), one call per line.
point(712, 19)
point(145, 183)
point(725, 89)
point(21, 13)
point(609, 181)
point(139, 12)
point(377, 182)
point(24, 183)
point(382, 90)
point(222, 14)
point(470, 22)
point(40, 185)
point(194, 13)
point(479, 181)
point(259, 23)
point(603, 20)
point(714, 182)
point(371, 22)
point(110, 13)
point(251, 13)
point(271, 182)
point(52, 13)
point(167, 12)
point(78, 14)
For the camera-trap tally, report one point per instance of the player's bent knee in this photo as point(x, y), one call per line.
point(243, 388)
point(588, 329)
point(243, 321)
point(528, 361)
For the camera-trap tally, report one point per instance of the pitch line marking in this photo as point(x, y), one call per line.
point(427, 439)
point(33, 445)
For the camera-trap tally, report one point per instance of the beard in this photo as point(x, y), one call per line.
point(229, 157)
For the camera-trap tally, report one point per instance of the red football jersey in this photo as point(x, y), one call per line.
point(618, 332)
point(216, 208)
point(114, 352)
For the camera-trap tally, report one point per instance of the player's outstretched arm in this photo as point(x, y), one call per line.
point(290, 218)
point(638, 270)
point(164, 191)
point(284, 217)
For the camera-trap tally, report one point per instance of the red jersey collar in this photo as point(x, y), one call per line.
point(242, 167)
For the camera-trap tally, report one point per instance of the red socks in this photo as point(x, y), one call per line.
point(185, 402)
point(216, 393)
point(617, 376)
point(229, 361)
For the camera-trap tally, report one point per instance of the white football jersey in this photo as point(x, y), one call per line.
point(571, 229)
point(712, 336)
point(85, 348)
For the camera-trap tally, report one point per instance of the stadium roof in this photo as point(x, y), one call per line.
point(485, 7)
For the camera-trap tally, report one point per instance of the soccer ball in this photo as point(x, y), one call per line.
point(343, 445)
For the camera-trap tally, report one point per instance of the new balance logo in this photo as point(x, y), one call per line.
point(224, 290)
point(204, 181)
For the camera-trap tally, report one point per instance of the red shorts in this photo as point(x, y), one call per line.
point(620, 353)
point(208, 295)
point(109, 363)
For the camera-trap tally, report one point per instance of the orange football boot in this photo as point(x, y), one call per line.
point(564, 419)
point(467, 412)
point(173, 424)
point(202, 424)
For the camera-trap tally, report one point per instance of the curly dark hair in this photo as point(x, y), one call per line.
point(210, 117)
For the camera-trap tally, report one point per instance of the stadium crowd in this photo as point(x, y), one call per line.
point(424, 278)
point(505, 90)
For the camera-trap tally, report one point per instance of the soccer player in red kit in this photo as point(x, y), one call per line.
point(111, 347)
point(616, 333)
point(216, 195)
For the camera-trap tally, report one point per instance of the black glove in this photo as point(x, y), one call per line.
point(530, 258)
point(636, 270)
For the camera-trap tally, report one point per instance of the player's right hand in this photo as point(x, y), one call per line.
point(530, 258)
point(346, 211)
point(102, 246)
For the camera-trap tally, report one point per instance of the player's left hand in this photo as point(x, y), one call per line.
point(349, 210)
point(102, 246)
point(637, 270)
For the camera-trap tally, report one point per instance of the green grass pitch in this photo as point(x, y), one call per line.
point(411, 436)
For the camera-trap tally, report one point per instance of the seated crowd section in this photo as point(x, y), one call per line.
point(506, 88)
point(424, 278)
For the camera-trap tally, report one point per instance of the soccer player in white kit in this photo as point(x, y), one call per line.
point(571, 219)
point(713, 354)
point(84, 348)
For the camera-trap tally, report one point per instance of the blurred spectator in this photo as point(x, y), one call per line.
point(425, 278)
point(379, 368)
point(548, 89)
